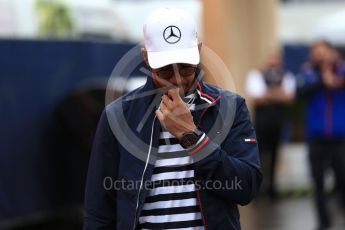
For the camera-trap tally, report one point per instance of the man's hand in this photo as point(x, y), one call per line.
point(331, 79)
point(174, 114)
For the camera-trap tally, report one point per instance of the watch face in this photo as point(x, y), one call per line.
point(188, 140)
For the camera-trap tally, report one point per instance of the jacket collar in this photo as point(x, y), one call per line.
point(206, 93)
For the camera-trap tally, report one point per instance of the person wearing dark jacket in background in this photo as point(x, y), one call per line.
point(323, 85)
point(271, 88)
point(195, 157)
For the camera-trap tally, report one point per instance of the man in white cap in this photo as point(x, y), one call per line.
point(197, 165)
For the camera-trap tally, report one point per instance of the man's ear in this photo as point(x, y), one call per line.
point(144, 54)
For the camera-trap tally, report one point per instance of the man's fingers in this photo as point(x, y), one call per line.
point(174, 94)
point(159, 115)
point(167, 102)
point(166, 99)
point(163, 108)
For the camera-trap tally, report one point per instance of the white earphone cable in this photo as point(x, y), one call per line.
point(146, 164)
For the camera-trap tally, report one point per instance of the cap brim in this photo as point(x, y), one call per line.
point(159, 59)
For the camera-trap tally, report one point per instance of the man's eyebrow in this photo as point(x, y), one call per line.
point(165, 67)
point(187, 65)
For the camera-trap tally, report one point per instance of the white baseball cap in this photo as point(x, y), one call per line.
point(170, 36)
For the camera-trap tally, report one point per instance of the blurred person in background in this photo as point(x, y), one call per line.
point(323, 86)
point(271, 88)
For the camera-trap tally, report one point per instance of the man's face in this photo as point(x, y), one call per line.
point(319, 52)
point(175, 75)
point(274, 60)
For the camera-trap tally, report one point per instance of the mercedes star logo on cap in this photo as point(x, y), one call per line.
point(172, 34)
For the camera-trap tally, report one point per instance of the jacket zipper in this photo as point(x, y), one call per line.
point(329, 115)
point(201, 208)
point(197, 190)
point(143, 175)
point(205, 110)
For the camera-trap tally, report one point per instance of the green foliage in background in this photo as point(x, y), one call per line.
point(54, 19)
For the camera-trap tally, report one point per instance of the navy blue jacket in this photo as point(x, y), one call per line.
point(325, 110)
point(228, 157)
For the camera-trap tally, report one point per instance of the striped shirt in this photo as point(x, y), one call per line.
point(172, 200)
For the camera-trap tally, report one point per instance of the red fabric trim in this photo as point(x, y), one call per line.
point(250, 140)
point(204, 94)
point(217, 98)
point(199, 146)
point(201, 209)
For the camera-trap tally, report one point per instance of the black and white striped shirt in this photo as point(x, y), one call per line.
point(172, 200)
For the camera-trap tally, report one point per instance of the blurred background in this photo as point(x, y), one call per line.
point(56, 57)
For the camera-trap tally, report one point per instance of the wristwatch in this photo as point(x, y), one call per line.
point(190, 139)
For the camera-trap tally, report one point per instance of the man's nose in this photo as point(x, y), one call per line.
point(176, 78)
